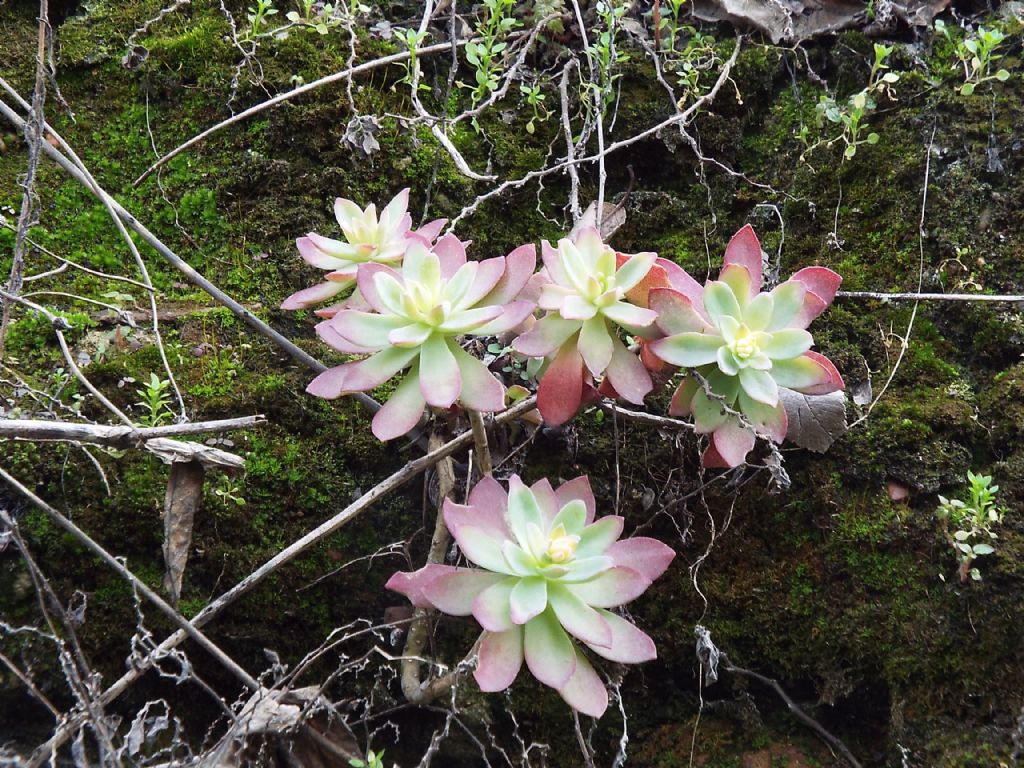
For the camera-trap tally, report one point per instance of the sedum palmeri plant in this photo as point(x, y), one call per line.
point(368, 239)
point(585, 294)
point(416, 316)
point(547, 574)
point(740, 346)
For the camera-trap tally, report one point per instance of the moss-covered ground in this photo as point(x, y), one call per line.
point(830, 587)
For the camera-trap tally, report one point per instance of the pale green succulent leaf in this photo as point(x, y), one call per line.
point(759, 385)
point(720, 301)
point(787, 344)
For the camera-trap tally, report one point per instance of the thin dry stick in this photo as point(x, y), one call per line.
point(435, 124)
point(27, 682)
point(90, 544)
point(80, 678)
point(483, 449)
point(34, 136)
point(108, 204)
point(59, 325)
point(598, 105)
point(680, 118)
point(972, 297)
point(65, 262)
point(642, 417)
point(182, 266)
point(588, 759)
point(287, 95)
point(798, 713)
point(389, 484)
point(905, 339)
point(570, 148)
point(417, 692)
point(102, 434)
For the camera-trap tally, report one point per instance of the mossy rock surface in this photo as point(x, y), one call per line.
point(849, 599)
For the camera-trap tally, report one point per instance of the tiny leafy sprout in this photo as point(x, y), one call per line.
point(488, 53)
point(535, 100)
point(853, 114)
point(604, 55)
point(740, 346)
point(972, 522)
point(368, 239)
point(411, 39)
point(587, 300)
point(257, 17)
point(547, 574)
point(155, 400)
point(227, 491)
point(415, 318)
point(373, 760)
point(978, 54)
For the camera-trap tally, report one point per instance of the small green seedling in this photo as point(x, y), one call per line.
point(258, 16)
point(852, 115)
point(487, 57)
point(155, 401)
point(535, 100)
point(228, 491)
point(977, 54)
point(411, 39)
point(968, 525)
point(373, 760)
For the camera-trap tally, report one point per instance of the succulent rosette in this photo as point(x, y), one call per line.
point(746, 345)
point(586, 297)
point(417, 315)
point(367, 239)
point(547, 575)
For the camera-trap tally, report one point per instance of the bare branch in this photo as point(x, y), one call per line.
point(289, 553)
point(911, 296)
point(186, 627)
point(681, 118)
point(482, 448)
point(181, 265)
point(33, 130)
point(795, 708)
point(345, 74)
point(118, 437)
point(417, 692)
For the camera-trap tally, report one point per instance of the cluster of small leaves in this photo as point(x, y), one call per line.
point(852, 115)
point(687, 52)
point(972, 522)
point(604, 55)
point(515, 367)
point(535, 101)
point(411, 39)
point(313, 15)
point(373, 760)
point(155, 401)
point(977, 54)
point(320, 17)
point(228, 490)
point(258, 17)
point(486, 55)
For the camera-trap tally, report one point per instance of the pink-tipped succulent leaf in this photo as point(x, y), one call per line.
point(547, 574)
point(744, 344)
point(416, 316)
